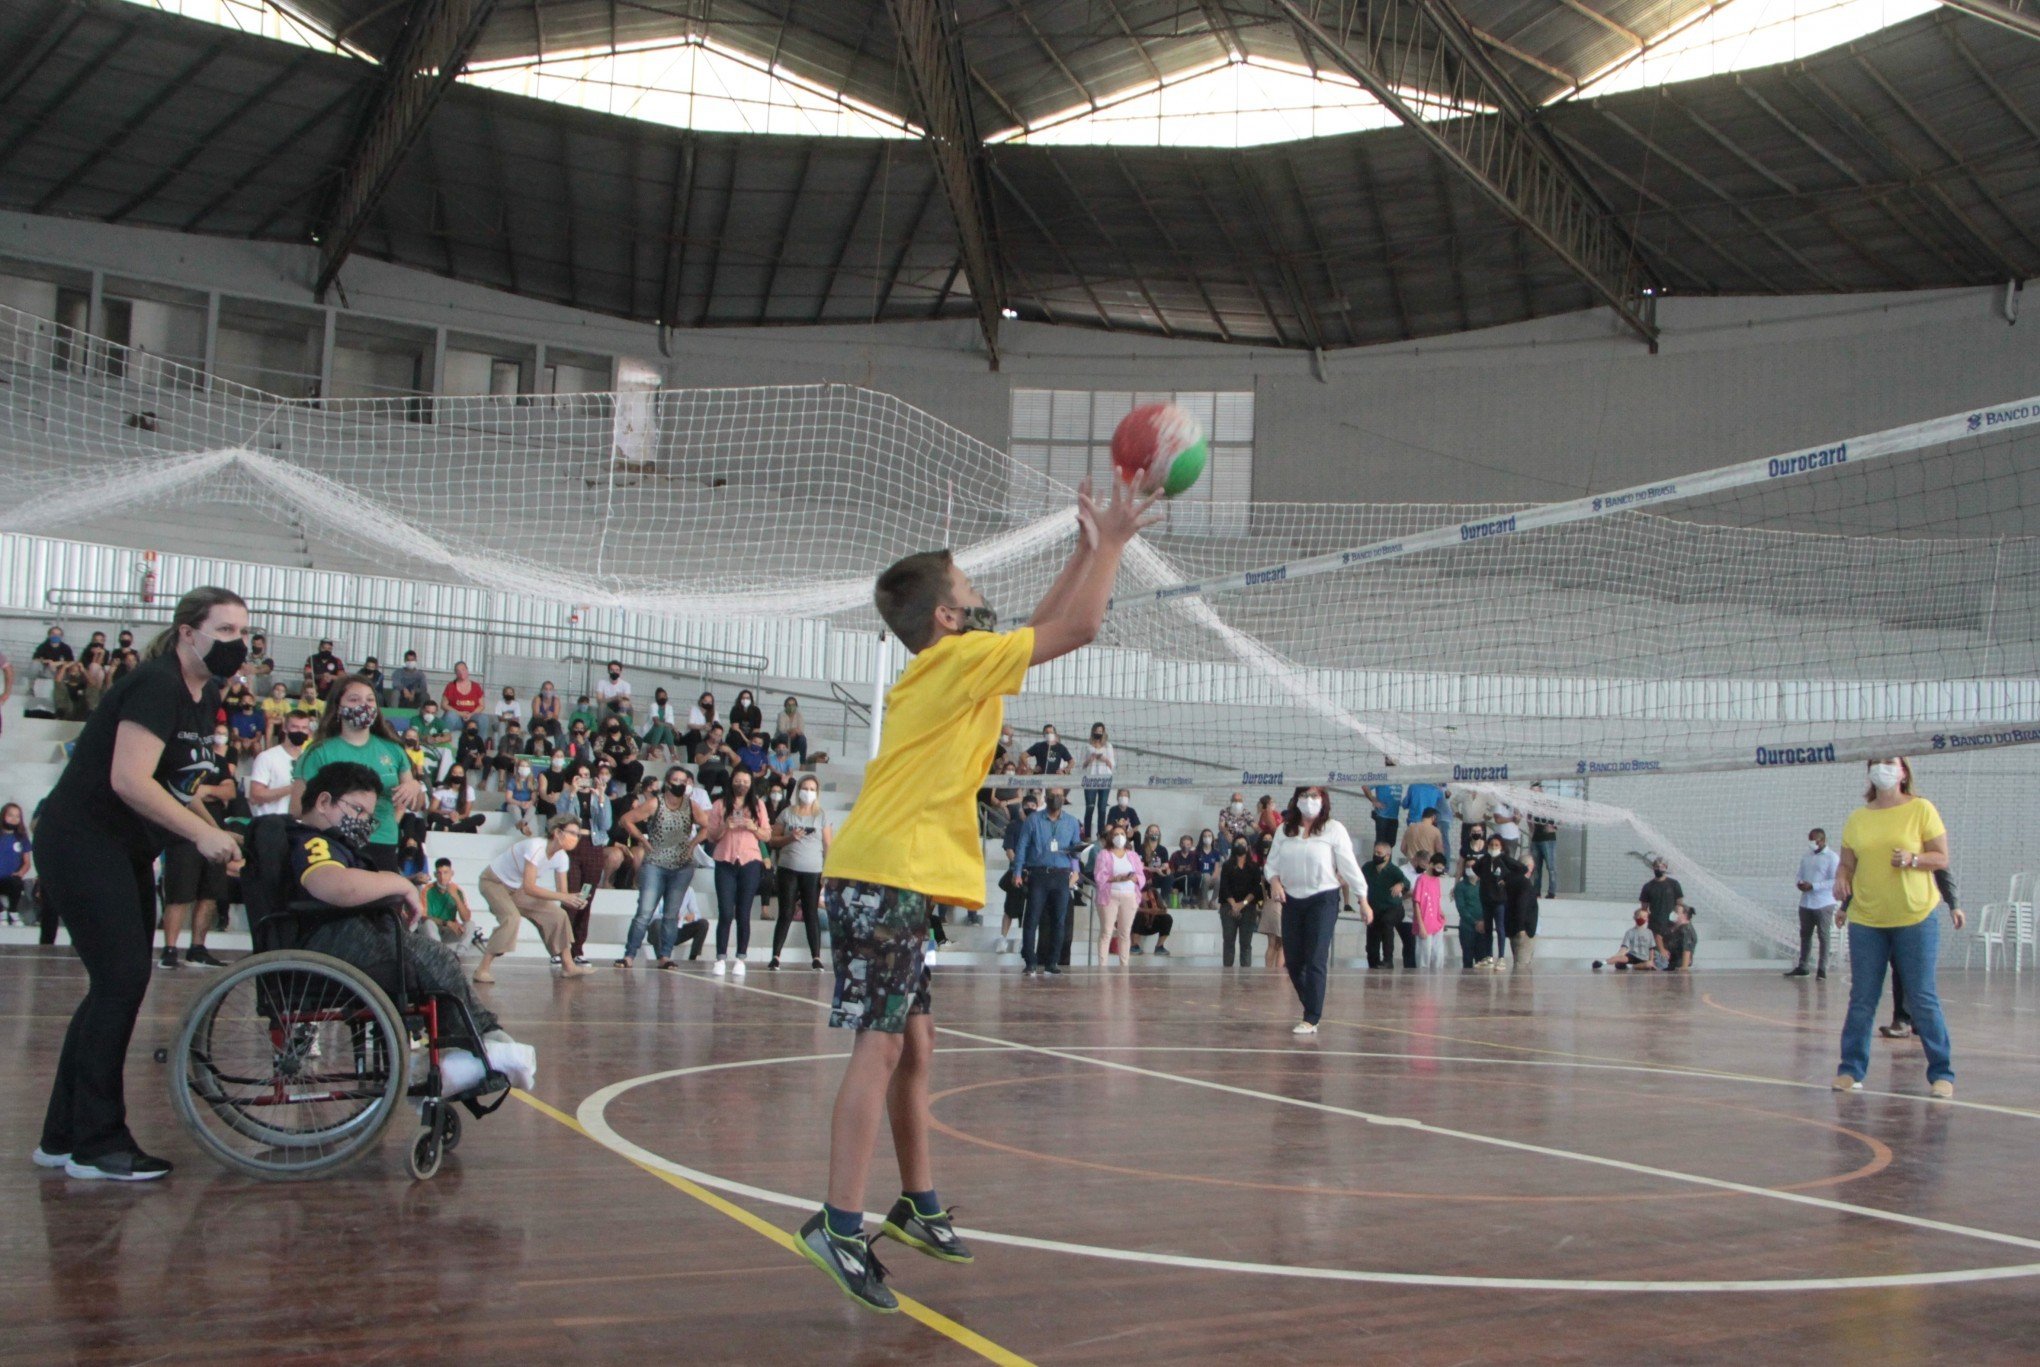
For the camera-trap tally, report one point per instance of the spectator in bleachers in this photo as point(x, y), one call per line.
point(1152, 920)
point(670, 829)
point(1419, 798)
point(434, 723)
point(17, 854)
point(746, 753)
point(1473, 839)
point(552, 783)
point(801, 835)
point(1268, 819)
point(97, 667)
point(1240, 894)
point(545, 711)
point(520, 794)
point(528, 881)
point(1236, 823)
point(620, 749)
point(309, 703)
point(446, 906)
point(372, 670)
point(453, 804)
point(68, 690)
point(195, 889)
point(1422, 839)
point(1121, 813)
point(1473, 926)
point(1427, 905)
point(462, 695)
point(353, 730)
point(244, 721)
point(259, 670)
point(470, 747)
point(1154, 862)
point(1209, 858)
point(585, 797)
point(1118, 879)
point(712, 763)
point(614, 691)
point(509, 753)
point(412, 688)
point(508, 708)
point(584, 715)
point(1100, 760)
point(323, 667)
point(269, 778)
point(276, 709)
point(1049, 754)
point(1014, 911)
point(737, 824)
point(661, 724)
point(1006, 753)
point(1544, 844)
point(580, 745)
point(701, 718)
point(50, 652)
point(1639, 947)
point(780, 761)
point(745, 723)
point(791, 727)
point(127, 663)
point(626, 840)
point(1186, 884)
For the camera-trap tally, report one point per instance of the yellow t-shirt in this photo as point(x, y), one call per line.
point(1886, 897)
point(915, 825)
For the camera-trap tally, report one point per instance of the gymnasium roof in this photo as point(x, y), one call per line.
point(1906, 159)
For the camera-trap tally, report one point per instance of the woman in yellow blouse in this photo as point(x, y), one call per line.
point(1890, 850)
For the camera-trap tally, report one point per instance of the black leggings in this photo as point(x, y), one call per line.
point(807, 887)
point(107, 899)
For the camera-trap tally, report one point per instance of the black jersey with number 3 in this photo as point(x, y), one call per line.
point(311, 848)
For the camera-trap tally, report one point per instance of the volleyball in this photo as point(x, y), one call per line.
point(1163, 443)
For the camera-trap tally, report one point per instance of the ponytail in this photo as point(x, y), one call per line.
point(191, 611)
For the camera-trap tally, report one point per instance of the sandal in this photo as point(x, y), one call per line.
point(667, 963)
point(623, 963)
point(482, 976)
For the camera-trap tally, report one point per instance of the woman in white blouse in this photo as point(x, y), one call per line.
point(1309, 861)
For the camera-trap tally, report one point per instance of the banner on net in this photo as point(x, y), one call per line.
point(1797, 753)
point(1791, 464)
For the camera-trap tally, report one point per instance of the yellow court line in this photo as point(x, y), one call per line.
point(934, 1319)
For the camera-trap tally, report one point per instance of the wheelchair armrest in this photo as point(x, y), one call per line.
point(313, 912)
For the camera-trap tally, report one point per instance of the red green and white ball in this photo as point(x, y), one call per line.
point(1163, 443)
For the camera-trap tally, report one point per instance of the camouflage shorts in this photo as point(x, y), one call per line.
point(880, 939)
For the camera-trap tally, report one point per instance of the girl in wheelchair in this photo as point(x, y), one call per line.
point(325, 864)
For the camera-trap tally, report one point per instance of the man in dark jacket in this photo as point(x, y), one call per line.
point(1386, 888)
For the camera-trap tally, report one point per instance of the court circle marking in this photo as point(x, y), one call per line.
point(593, 1116)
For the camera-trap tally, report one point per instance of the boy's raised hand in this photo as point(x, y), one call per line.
point(1128, 513)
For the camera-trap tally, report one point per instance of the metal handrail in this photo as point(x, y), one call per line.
point(693, 659)
point(853, 709)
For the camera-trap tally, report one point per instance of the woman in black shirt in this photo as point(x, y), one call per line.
point(746, 722)
point(121, 798)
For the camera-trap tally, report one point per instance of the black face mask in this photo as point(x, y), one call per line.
point(297, 737)
point(223, 659)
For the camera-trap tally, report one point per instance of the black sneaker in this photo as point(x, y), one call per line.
point(169, 959)
point(1597, 965)
point(580, 961)
point(929, 1233)
point(850, 1264)
point(199, 954)
point(134, 1166)
point(1798, 972)
point(1051, 968)
point(1821, 976)
point(1137, 949)
point(555, 960)
point(1162, 951)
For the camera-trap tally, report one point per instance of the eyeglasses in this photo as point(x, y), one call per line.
point(356, 809)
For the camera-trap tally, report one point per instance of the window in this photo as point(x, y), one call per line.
point(1066, 434)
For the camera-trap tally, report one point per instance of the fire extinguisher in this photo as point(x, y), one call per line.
point(148, 577)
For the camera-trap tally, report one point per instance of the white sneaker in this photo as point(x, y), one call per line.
point(722, 966)
point(930, 960)
point(1303, 1028)
point(737, 968)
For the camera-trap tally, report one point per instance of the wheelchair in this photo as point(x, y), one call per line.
point(292, 1064)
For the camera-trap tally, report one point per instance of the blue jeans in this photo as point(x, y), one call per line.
point(657, 886)
point(1048, 917)
point(1914, 951)
point(1307, 927)
point(1096, 801)
point(736, 886)
point(1547, 866)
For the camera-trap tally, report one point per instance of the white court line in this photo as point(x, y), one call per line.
point(593, 1117)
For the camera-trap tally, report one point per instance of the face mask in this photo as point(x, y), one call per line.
point(523, 771)
point(354, 828)
point(1885, 777)
point(1048, 736)
point(1055, 804)
point(807, 795)
point(677, 789)
point(979, 618)
point(219, 742)
point(615, 673)
point(1238, 807)
point(1118, 842)
point(431, 716)
point(359, 715)
point(1813, 845)
point(1310, 807)
point(559, 763)
point(223, 659)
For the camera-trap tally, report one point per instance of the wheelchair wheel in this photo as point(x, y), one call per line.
point(425, 1155)
point(290, 1065)
point(449, 1128)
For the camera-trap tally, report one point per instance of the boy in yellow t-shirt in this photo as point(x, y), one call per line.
point(911, 841)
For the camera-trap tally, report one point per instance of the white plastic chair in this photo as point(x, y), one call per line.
point(1990, 933)
point(2022, 936)
point(2021, 893)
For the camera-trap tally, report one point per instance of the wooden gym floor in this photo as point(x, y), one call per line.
point(1549, 1167)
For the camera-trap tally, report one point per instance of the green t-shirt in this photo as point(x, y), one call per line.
point(385, 757)
point(441, 905)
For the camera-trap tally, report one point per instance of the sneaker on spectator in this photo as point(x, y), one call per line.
point(1137, 949)
point(1161, 950)
point(721, 966)
point(169, 959)
point(199, 954)
point(736, 968)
